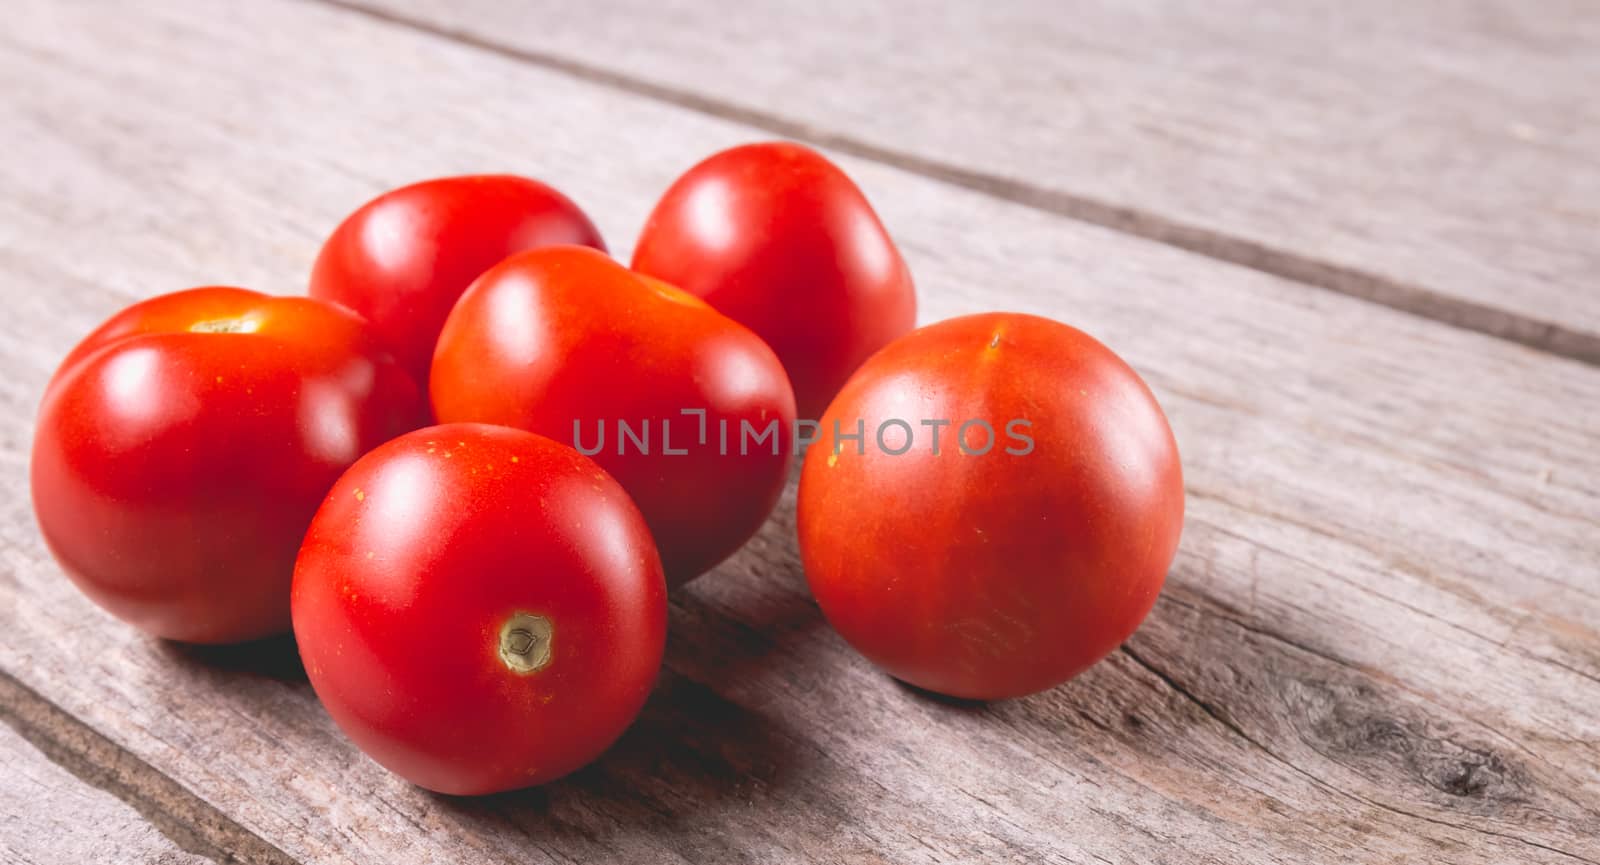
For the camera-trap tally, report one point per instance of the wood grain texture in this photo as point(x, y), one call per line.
point(67, 795)
point(1379, 642)
point(48, 817)
point(1441, 157)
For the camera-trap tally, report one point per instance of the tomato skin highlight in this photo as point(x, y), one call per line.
point(565, 335)
point(414, 566)
point(182, 448)
point(402, 259)
point(992, 575)
point(779, 239)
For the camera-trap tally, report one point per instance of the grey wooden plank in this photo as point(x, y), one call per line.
point(67, 795)
point(1377, 643)
point(1441, 157)
point(48, 817)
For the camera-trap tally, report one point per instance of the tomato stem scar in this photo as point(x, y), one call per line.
point(525, 642)
point(225, 325)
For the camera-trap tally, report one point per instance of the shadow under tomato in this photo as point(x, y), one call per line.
point(750, 615)
point(274, 657)
point(958, 704)
point(689, 748)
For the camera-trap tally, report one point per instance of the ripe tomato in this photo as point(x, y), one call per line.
point(567, 343)
point(778, 238)
point(184, 445)
point(990, 561)
point(479, 608)
point(403, 258)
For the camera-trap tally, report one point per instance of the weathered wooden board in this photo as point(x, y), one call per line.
point(1440, 156)
point(66, 797)
point(1379, 641)
point(48, 817)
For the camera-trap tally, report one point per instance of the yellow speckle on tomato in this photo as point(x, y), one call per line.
point(360, 496)
point(833, 460)
point(514, 459)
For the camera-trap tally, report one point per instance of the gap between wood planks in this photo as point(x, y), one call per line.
point(1418, 300)
point(184, 818)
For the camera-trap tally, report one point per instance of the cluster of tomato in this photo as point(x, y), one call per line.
point(987, 505)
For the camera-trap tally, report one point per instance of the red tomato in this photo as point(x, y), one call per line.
point(991, 562)
point(479, 608)
point(778, 238)
point(404, 257)
point(183, 447)
point(567, 343)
